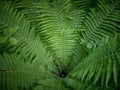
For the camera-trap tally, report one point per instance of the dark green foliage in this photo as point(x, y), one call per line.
point(15, 73)
point(59, 44)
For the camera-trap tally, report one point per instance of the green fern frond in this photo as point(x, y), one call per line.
point(102, 63)
point(25, 41)
point(79, 53)
point(15, 74)
point(53, 27)
point(102, 21)
point(8, 27)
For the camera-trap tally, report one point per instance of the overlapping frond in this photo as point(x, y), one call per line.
point(101, 65)
point(103, 20)
point(8, 25)
point(15, 74)
point(59, 44)
point(79, 53)
point(23, 39)
point(52, 20)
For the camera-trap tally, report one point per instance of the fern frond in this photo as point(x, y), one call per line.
point(102, 21)
point(101, 64)
point(15, 74)
point(28, 43)
point(79, 53)
point(52, 22)
point(8, 27)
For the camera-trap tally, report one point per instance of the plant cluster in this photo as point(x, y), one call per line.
point(59, 44)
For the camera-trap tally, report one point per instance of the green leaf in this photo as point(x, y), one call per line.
point(103, 74)
point(109, 71)
point(13, 40)
point(98, 75)
point(115, 71)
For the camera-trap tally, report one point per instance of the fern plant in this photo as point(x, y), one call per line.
point(59, 44)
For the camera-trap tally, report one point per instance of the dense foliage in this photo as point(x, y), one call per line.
point(59, 44)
